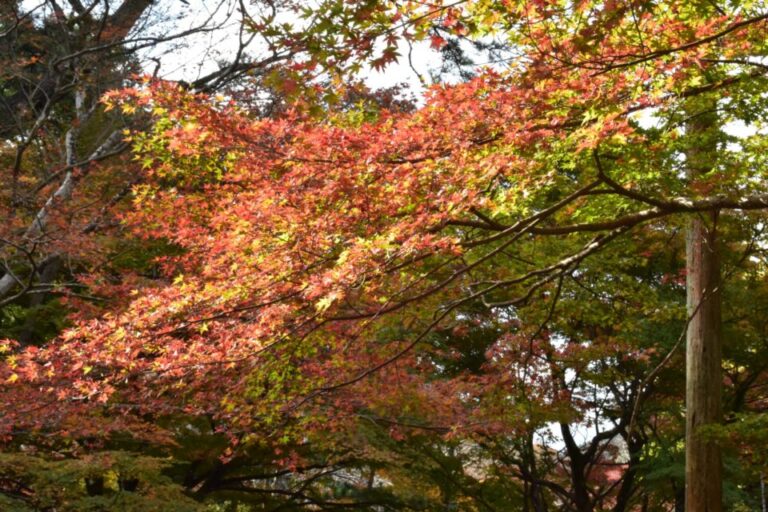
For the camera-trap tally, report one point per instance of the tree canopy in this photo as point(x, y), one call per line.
point(543, 288)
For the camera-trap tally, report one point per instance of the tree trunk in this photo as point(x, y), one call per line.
point(623, 499)
point(581, 498)
point(703, 465)
point(536, 493)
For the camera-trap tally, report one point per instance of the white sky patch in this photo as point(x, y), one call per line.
point(411, 69)
point(193, 57)
point(740, 129)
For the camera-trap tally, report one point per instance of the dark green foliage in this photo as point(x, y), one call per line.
point(102, 482)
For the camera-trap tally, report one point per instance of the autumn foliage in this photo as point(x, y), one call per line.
point(501, 261)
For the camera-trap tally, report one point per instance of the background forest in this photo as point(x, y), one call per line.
point(238, 276)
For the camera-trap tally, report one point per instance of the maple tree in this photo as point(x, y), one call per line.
point(333, 271)
point(67, 164)
point(69, 172)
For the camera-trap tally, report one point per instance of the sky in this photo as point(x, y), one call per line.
point(195, 56)
point(184, 62)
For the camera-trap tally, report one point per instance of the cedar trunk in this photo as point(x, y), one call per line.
point(703, 464)
point(703, 477)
